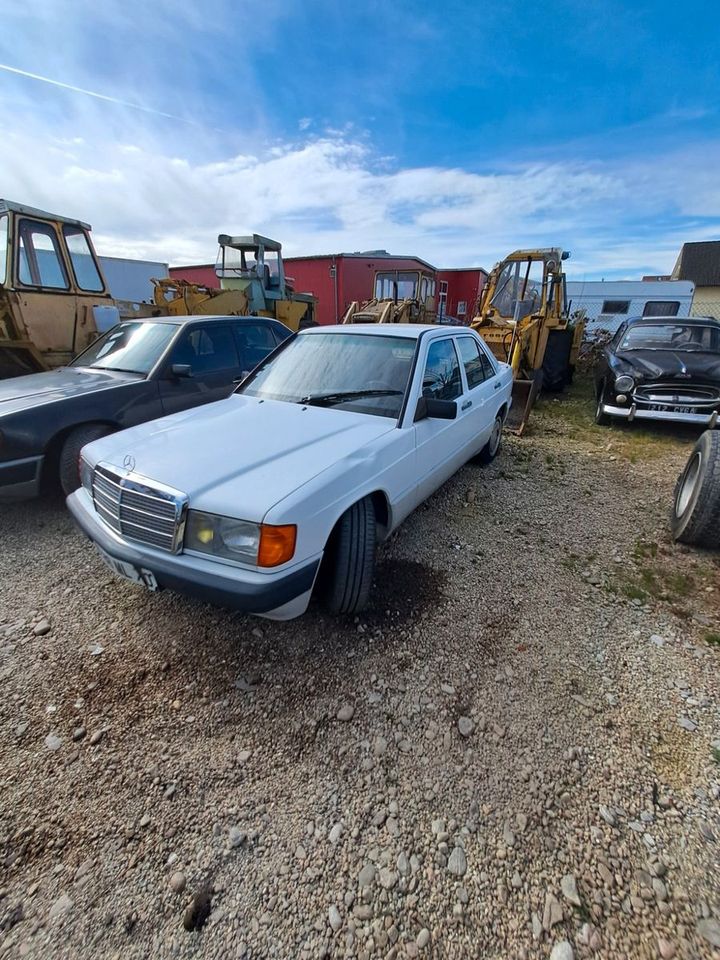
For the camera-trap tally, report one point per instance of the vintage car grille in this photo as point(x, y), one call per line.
point(139, 511)
point(677, 394)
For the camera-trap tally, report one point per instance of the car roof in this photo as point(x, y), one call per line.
point(409, 330)
point(693, 321)
point(203, 317)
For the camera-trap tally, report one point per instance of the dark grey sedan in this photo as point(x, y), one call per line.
point(139, 370)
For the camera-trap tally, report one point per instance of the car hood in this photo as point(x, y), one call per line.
point(240, 456)
point(18, 393)
point(672, 364)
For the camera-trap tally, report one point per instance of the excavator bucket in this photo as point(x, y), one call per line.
point(524, 396)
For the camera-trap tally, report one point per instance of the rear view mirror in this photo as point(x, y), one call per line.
point(430, 407)
point(181, 370)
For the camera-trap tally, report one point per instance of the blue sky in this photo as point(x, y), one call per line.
point(456, 131)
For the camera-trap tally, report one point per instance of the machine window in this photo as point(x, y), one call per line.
point(40, 263)
point(441, 378)
point(86, 272)
point(475, 370)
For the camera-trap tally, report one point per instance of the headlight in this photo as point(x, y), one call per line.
point(260, 544)
point(624, 384)
point(86, 474)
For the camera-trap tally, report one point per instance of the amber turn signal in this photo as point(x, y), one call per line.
point(277, 544)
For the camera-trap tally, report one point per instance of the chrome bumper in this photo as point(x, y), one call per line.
point(633, 412)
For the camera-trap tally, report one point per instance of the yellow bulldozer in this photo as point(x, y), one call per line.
point(54, 299)
point(522, 315)
point(401, 296)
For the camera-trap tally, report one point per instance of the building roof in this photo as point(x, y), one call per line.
point(364, 255)
point(699, 262)
point(463, 270)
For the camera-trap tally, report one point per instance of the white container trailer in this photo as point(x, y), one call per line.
point(132, 279)
point(608, 302)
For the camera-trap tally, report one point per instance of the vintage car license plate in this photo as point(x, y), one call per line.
point(145, 578)
point(673, 408)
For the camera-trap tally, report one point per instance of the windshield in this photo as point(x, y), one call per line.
point(364, 373)
point(133, 347)
point(691, 337)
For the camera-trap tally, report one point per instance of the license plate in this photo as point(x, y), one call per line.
point(146, 578)
point(674, 409)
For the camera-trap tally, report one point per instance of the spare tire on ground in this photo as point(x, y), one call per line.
point(696, 511)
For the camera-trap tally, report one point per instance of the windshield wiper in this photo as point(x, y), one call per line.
point(329, 399)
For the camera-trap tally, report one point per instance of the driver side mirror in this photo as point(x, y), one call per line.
point(431, 407)
point(181, 370)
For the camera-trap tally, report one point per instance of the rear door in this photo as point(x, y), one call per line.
point(211, 353)
point(481, 403)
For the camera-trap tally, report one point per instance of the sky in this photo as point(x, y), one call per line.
point(456, 132)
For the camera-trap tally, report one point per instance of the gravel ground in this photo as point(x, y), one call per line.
point(509, 755)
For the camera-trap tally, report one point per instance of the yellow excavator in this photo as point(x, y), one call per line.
point(522, 315)
point(401, 296)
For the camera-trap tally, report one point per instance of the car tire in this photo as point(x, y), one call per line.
point(350, 559)
point(601, 418)
point(70, 453)
point(492, 447)
point(696, 505)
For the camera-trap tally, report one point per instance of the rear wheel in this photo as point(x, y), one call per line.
point(349, 560)
point(696, 511)
point(68, 466)
point(492, 447)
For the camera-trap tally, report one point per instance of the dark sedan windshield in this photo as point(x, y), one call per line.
point(364, 373)
point(133, 347)
point(672, 336)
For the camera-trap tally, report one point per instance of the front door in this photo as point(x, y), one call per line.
point(439, 443)
point(210, 352)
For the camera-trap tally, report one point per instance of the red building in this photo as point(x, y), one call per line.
point(458, 291)
point(338, 279)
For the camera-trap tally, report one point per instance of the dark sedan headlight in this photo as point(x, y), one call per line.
point(258, 543)
point(624, 384)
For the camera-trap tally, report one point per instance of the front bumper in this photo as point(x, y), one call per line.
point(279, 595)
point(635, 412)
point(20, 479)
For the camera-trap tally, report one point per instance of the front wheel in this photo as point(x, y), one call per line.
point(492, 447)
point(68, 466)
point(696, 509)
point(601, 418)
point(349, 560)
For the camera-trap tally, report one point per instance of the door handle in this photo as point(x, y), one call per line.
point(466, 405)
point(497, 386)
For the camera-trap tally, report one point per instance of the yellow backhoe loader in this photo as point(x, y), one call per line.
point(522, 315)
point(401, 296)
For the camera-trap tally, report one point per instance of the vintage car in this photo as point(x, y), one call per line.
point(661, 368)
point(286, 487)
point(138, 370)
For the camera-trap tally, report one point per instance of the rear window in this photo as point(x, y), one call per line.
point(661, 308)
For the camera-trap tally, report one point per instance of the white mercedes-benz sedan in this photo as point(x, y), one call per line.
point(287, 486)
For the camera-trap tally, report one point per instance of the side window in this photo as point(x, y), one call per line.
point(86, 272)
point(477, 366)
point(3, 247)
point(441, 378)
point(207, 349)
point(257, 337)
point(661, 308)
point(40, 264)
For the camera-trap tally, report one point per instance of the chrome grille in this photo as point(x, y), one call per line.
point(681, 394)
point(139, 510)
